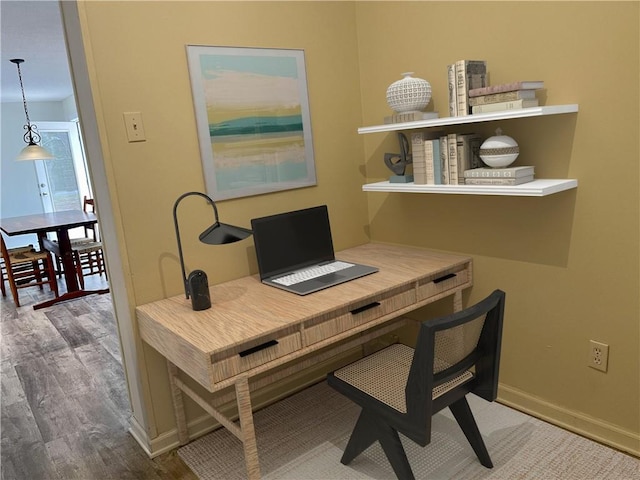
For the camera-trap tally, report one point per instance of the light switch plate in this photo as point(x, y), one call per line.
point(134, 126)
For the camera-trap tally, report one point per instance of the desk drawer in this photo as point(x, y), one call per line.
point(443, 282)
point(361, 313)
point(255, 356)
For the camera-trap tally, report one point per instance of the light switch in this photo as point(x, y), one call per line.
point(134, 126)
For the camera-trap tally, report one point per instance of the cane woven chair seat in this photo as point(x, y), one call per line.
point(24, 267)
point(383, 376)
point(89, 259)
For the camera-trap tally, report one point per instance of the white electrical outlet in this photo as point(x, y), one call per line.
point(598, 355)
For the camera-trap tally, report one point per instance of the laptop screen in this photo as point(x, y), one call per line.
point(292, 240)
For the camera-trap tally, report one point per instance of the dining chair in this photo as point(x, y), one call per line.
point(400, 388)
point(24, 267)
point(87, 251)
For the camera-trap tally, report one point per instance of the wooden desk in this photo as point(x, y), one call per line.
point(60, 223)
point(252, 329)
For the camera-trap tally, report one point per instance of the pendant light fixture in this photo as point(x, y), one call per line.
point(32, 151)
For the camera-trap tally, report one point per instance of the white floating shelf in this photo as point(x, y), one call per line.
point(476, 118)
point(536, 188)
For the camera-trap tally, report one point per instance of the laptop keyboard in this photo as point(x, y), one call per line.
point(311, 273)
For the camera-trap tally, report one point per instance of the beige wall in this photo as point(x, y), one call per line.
point(137, 51)
point(569, 262)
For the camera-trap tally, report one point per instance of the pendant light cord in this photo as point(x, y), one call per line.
point(31, 137)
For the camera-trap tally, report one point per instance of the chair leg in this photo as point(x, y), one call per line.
point(362, 437)
point(393, 449)
point(464, 417)
point(78, 262)
point(368, 429)
point(12, 286)
point(37, 272)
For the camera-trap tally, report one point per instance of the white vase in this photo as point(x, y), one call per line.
point(409, 94)
point(499, 151)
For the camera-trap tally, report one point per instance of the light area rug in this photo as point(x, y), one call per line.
point(303, 436)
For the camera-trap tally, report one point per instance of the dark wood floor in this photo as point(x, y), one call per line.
point(64, 406)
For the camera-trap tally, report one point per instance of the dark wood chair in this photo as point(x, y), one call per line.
point(87, 251)
point(400, 388)
point(24, 267)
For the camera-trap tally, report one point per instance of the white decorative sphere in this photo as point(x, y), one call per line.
point(409, 94)
point(499, 151)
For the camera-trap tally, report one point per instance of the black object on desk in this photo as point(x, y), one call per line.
point(196, 286)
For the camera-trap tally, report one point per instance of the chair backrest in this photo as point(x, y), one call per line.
point(5, 252)
point(450, 346)
point(88, 205)
point(8, 252)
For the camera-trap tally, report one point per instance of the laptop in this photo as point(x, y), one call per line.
point(295, 252)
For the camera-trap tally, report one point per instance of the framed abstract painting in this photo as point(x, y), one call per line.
point(252, 114)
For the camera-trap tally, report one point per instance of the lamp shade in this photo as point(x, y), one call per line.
point(222, 233)
point(34, 152)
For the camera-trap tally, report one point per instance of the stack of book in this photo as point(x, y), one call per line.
point(410, 117)
point(499, 176)
point(506, 96)
point(443, 159)
point(463, 76)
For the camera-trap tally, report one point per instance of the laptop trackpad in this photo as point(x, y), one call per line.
point(329, 277)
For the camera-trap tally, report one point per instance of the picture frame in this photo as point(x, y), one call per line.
point(253, 119)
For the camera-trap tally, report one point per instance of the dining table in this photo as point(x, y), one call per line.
point(59, 223)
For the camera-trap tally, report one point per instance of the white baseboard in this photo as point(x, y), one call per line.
point(571, 420)
point(139, 434)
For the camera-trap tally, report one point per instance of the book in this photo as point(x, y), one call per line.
point(410, 117)
point(437, 161)
point(429, 162)
point(502, 97)
point(467, 143)
point(498, 181)
point(417, 158)
point(470, 74)
point(507, 87)
point(418, 140)
point(453, 99)
point(432, 162)
point(444, 160)
point(475, 144)
point(500, 106)
point(452, 157)
point(507, 172)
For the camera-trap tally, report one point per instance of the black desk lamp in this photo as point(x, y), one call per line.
point(196, 285)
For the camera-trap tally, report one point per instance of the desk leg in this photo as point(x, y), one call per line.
point(243, 398)
point(457, 301)
point(178, 405)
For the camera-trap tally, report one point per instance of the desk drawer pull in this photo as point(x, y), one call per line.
point(444, 277)
point(355, 311)
point(257, 348)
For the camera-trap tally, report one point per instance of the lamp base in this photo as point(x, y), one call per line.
point(199, 290)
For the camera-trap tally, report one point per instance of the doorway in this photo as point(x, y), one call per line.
point(63, 182)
